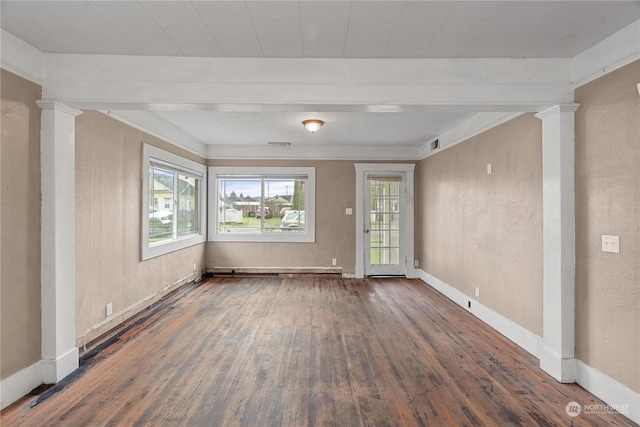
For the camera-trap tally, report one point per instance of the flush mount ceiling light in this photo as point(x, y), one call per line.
point(313, 125)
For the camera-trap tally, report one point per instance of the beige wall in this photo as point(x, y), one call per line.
point(20, 224)
point(108, 194)
point(335, 231)
point(608, 202)
point(486, 230)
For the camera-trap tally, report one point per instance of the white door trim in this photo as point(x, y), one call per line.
point(406, 212)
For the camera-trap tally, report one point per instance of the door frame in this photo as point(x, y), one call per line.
point(407, 224)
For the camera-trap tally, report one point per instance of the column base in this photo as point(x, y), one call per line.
point(563, 370)
point(56, 370)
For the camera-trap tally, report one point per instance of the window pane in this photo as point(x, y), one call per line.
point(188, 204)
point(285, 198)
point(258, 205)
point(173, 193)
point(239, 205)
point(160, 196)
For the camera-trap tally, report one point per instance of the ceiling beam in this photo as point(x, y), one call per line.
point(229, 84)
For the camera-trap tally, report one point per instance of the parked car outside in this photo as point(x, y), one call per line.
point(293, 220)
point(160, 218)
point(267, 213)
point(284, 211)
point(229, 215)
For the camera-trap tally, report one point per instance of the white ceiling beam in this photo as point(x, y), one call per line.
point(615, 51)
point(99, 81)
point(21, 58)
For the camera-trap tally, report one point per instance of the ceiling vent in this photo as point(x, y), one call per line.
point(435, 144)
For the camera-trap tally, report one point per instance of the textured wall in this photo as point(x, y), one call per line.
point(485, 230)
point(20, 229)
point(608, 202)
point(108, 194)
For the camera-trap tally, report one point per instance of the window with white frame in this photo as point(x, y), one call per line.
point(270, 204)
point(173, 207)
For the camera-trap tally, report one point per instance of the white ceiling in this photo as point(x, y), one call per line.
point(317, 29)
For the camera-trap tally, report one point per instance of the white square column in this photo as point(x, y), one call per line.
point(58, 272)
point(558, 224)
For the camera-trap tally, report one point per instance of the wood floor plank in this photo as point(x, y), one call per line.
point(308, 351)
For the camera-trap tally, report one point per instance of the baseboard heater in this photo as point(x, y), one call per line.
point(274, 271)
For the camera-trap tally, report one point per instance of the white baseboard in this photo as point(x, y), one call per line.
point(526, 339)
point(20, 384)
point(54, 370)
point(562, 369)
point(616, 395)
point(613, 393)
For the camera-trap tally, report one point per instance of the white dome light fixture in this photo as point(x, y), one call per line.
point(312, 125)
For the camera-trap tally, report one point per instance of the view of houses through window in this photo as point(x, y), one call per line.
point(173, 203)
point(261, 204)
point(173, 213)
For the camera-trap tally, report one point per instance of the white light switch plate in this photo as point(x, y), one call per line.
point(348, 211)
point(611, 244)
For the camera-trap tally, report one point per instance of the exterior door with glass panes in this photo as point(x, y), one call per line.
point(384, 196)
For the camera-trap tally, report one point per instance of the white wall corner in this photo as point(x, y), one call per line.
point(19, 384)
point(615, 394)
point(21, 58)
point(614, 52)
point(521, 336)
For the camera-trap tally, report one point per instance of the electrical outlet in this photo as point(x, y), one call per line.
point(611, 244)
point(109, 309)
point(334, 261)
point(477, 292)
point(416, 263)
point(195, 266)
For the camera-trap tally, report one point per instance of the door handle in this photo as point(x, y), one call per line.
point(366, 231)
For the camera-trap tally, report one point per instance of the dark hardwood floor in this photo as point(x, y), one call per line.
point(308, 351)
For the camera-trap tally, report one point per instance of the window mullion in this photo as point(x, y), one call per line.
point(176, 197)
point(262, 205)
